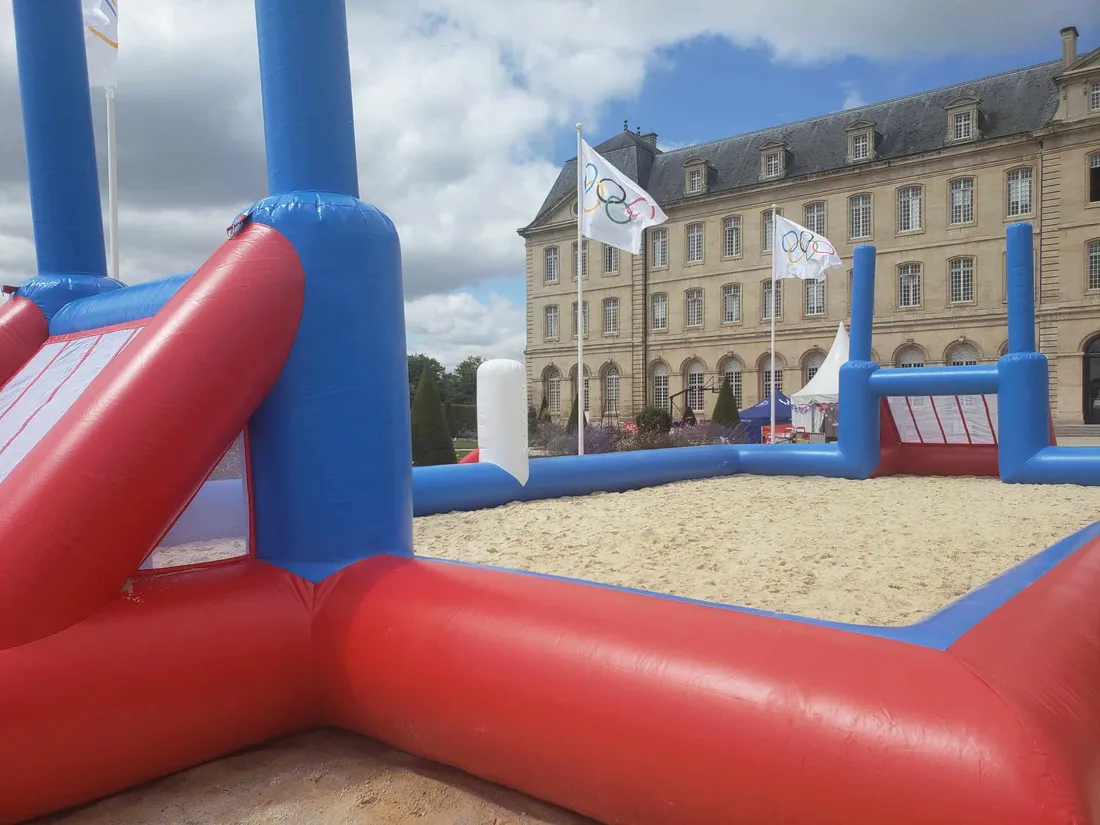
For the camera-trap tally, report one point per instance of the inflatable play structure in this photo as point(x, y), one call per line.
point(116, 403)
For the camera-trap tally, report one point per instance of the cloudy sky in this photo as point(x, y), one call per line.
point(464, 113)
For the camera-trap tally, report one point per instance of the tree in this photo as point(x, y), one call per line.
point(431, 440)
point(654, 420)
point(449, 417)
point(544, 410)
point(464, 380)
point(725, 409)
point(571, 424)
point(418, 363)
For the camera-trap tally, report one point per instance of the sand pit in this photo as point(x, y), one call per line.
point(319, 778)
point(886, 551)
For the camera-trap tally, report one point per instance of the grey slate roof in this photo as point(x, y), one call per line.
point(1015, 102)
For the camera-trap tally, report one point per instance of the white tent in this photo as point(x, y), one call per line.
point(823, 388)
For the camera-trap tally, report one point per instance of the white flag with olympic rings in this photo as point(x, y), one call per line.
point(614, 209)
point(798, 252)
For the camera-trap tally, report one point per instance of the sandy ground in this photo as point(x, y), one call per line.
point(886, 551)
point(319, 778)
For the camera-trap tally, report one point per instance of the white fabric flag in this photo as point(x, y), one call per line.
point(615, 210)
point(101, 41)
point(799, 253)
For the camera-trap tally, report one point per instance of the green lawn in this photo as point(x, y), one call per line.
point(464, 445)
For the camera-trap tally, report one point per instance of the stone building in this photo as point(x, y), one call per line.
point(932, 180)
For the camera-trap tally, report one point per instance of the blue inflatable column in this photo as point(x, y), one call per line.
point(330, 450)
point(1022, 402)
point(61, 165)
point(858, 436)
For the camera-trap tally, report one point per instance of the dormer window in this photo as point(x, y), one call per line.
point(861, 141)
point(773, 160)
point(695, 181)
point(964, 125)
point(962, 119)
point(695, 176)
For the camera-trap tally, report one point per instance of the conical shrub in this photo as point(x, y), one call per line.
point(431, 440)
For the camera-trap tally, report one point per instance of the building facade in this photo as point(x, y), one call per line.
point(932, 180)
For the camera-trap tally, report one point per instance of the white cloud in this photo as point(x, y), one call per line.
point(453, 326)
point(455, 102)
point(853, 97)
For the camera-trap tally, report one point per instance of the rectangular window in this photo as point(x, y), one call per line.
point(909, 286)
point(772, 375)
point(610, 260)
point(694, 243)
point(964, 126)
point(731, 304)
point(731, 237)
point(766, 294)
point(859, 207)
point(660, 248)
point(660, 391)
point(611, 316)
point(584, 259)
point(861, 147)
point(909, 209)
point(1094, 98)
point(768, 228)
point(659, 314)
point(814, 297)
point(1094, 178)
point(771, 165)
point(552, 322)
point(1019, 192)
point(815, 217)
point(1094, 265)
point(587, 394)
point(553, 392)
point(695, 383)
point(961, 280)
point(551, 276)
point(693, 308)
point(585, 319)
point(962, 200)
point(695, 181)
point(611, 392)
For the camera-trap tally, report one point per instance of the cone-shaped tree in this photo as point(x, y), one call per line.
point(689, 416)
point(544, 410)
point(725, 409)
point(571, 424)
point(449, 417)
point(431, 440)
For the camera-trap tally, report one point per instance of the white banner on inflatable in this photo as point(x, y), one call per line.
point(945, 419)
point(502, 417)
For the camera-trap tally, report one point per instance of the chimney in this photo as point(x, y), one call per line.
point(650, 138)
point(1069, 46)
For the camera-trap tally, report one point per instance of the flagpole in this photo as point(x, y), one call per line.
point(580, 298)
point(771, 357)
point(112, 179)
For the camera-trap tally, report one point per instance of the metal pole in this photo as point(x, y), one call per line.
point(771, 361)
point(112, 180)
point(580, 298)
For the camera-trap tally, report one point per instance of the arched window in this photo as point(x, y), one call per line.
point(611, 391)
point(553, 391)
point(660, 386)
point(693, 383)
point(732, 373)
point(770, 373)
point(962, 355)
point(811, 365)
point(910, 357)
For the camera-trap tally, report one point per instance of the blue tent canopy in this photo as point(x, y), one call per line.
point(760, 415)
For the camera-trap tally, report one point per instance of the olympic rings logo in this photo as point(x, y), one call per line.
point(804, 246)
point(614, 204)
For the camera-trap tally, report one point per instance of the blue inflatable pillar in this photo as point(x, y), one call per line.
point(61, 165)
point(1023, 411)
point(858, 435)
point(329, 449)
point(863, 304)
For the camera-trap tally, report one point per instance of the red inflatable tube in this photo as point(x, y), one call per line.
point(79, 513)
point(181, 669)
point(23, 329)
point(645, 710)
point(470, 457)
